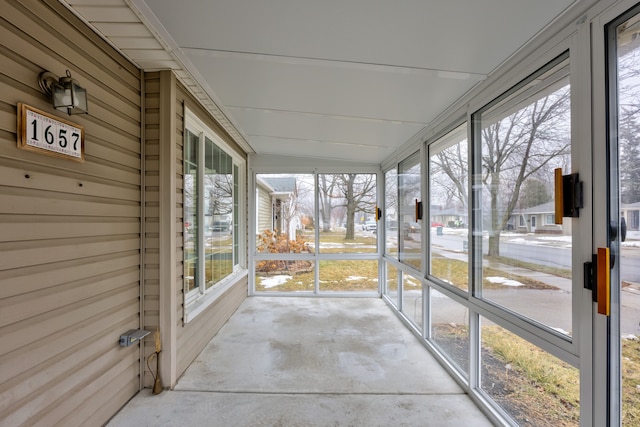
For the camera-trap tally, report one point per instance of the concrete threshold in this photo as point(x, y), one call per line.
point(309, 362)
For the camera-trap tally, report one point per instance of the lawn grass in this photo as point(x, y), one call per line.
point(535, 387)
point(456, 272)
point(338, 275)
point(513, 262)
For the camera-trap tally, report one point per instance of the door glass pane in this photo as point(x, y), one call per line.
point(410, 228)
point(521, 138)
point(347, 203)
point(391, 212)
point(284, 213)
point(627, 204)
point(534, 387)
point(448, 209)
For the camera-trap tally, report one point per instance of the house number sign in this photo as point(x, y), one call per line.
point(45, 133)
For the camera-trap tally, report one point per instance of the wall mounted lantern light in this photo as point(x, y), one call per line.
point(67, 95)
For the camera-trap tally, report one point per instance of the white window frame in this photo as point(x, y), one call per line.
point(199, 298)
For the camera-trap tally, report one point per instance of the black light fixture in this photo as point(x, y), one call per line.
point(67, 94)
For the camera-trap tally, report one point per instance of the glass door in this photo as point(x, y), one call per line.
point(623, 56)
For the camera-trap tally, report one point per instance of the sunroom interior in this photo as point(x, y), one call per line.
point(408, 152)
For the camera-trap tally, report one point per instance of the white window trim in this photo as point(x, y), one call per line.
point(197, 300)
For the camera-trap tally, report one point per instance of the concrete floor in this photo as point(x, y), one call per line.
point(309, 362)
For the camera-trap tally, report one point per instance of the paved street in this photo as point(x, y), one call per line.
point(550, 307)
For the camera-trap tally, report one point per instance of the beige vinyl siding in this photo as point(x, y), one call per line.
point(193, 336)
point(265, 210)
point(151, 286)
point(69, 231)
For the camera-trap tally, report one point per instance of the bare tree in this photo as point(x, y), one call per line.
point(359, 195)
point(629, 121)
point(220, 191)
point(515, 148)
point(326, 186)
point(351, 191)
point(449, 171)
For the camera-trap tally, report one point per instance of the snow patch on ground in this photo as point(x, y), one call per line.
point(273, 281)
point(504, 281)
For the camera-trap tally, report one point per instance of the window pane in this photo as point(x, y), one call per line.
point(284, 276)
point(349, 276)
point(284, 213)
point(531, 385)
point(409, 180)
point(450, 328)
point(523, 138)
point(626, 204)
point(218, 213)
point(190, 208)
point(412, 299)
point(391, 212)
point(448, 166)
point(347, 213)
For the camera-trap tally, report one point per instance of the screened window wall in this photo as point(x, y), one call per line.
point(488, 269)
point(316, 233)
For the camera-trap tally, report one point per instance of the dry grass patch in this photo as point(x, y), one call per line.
point(535, 387)
point(456, 272)
point(631, 382)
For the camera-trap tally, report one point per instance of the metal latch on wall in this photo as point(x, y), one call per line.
point(597, 278)
point(568, 195)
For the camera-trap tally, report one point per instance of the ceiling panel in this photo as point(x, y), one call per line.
point(456, 35)
point(319, 150)
point(346, 80)
point(325, 87)
point(292, 125)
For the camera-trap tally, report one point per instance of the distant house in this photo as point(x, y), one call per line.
point(275, 205)
point(538, 219)
point(631, 213)
point(449, 217)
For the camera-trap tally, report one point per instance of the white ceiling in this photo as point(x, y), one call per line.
point(334, 79)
